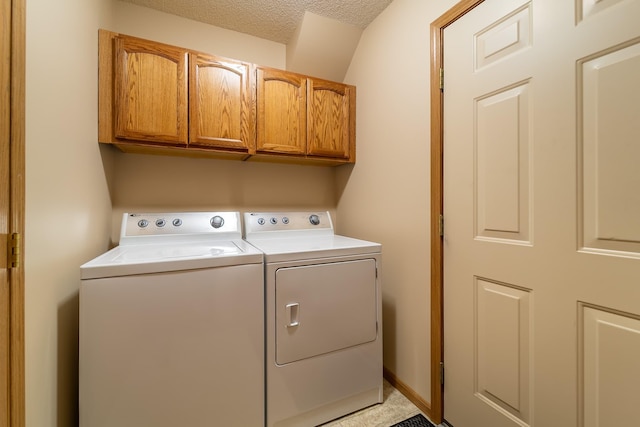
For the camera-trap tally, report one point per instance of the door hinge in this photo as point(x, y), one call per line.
point(441, 78)
point(441, 225)
point(14, 250)
point(442, 374)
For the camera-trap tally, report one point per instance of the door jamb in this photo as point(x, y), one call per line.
point(437, 201)
point(17, 213)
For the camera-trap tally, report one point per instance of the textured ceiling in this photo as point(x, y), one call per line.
point(274, 20)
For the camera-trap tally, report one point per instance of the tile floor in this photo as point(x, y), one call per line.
point(392, 410)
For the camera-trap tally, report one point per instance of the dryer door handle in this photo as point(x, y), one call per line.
point(293, 314)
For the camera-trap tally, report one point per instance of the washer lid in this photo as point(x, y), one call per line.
point(293, 249)
point(127, 260)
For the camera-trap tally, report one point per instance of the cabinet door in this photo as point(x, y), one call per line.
point(329, 119)
point(282, 99)
point(221, 103)
point(150, 91)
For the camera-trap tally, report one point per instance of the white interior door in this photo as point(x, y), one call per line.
point(542, 214)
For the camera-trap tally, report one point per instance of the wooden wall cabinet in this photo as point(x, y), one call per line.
point(221, 103)
point(160, 99)
point(301, 116)
point(156, 98)
point(282, 112)
point(150, 87)
point(331, 114)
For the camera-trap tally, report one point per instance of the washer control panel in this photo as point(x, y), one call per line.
point(179, 223)
point(258, 222)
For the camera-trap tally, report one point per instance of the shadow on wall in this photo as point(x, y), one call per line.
point(160, 182)
point(343, 173)
point(67, 380)
point(389, 335)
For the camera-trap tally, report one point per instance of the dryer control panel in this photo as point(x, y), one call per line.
point(315, 222)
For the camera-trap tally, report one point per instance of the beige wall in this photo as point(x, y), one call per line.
point(385, 196)
point(67, 200)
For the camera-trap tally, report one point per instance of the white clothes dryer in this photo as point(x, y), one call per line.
point(323, 318)
point(172, 325)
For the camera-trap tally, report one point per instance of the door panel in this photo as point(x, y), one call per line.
point(502, 164)
point(542, 240)
point(503, 346)
point(151, 91)
point(282, 112)
point(607, 371)
point(610, 152)
point(221, 109)
point(323, 308)
point(328, 118)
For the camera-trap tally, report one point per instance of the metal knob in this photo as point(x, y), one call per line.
point(217, 221)
point(314, 219)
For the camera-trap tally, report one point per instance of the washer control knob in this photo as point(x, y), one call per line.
point(285, 220)
point(177, 222)
point(217, 221)
point(160, 222)
point(314, 219)
point(260, 221)
point(273, 220)
point(143, 223)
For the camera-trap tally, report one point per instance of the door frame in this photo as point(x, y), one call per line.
point(15, 32)
point(437, 200)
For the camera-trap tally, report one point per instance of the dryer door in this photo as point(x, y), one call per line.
point(324, 307)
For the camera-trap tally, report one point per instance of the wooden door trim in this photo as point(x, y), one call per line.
point(16, 214)
point(437, 199)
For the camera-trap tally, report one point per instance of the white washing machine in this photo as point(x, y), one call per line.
point(323, 318)
point(172, 325)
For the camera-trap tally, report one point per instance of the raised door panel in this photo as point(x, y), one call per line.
point(610, 100)
point(610, 378)
point(221, 103)
point(329, 119)
point(150, 91)
point(282, 99)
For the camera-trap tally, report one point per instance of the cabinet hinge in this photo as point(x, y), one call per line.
point(442, 374)
point(441, 78)
point(14, 250)
point(441, 225)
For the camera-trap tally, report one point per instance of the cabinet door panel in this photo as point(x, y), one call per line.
point(222, 108)
point(151, 92)
point(328, 119)
point(282, 99)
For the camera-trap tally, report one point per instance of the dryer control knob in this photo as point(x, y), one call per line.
point(217, 221)
point(314, 219)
